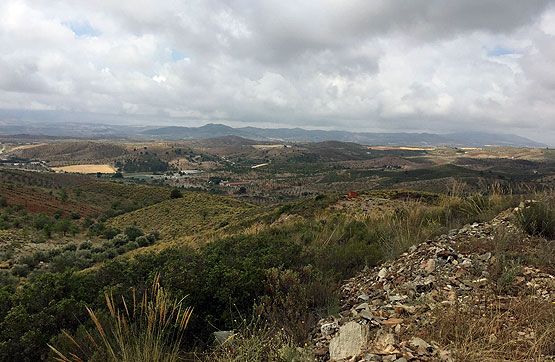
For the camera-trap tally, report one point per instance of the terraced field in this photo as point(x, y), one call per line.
point(37, 200)
point(42, 179)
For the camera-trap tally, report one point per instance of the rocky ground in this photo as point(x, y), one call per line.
point(385, 312)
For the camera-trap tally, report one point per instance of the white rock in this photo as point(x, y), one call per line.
point(352, 337)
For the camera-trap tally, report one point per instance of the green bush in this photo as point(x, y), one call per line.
point(69, 247)
point(98, 249)
point(110, 232)
point(133, 232)
point(120, 240)
point(63, 261)
point(85, 245)
point(153, 236)
point(176, 194)
point(21, 270)
point(143, 241)
point(537, 219)
point(42, 221)
point(96, 229)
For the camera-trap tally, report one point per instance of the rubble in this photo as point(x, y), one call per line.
point(383, 309)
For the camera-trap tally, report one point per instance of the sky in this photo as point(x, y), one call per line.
point(364, 65)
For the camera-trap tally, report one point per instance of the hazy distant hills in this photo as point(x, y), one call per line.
point(97, 130)
point(459, 139)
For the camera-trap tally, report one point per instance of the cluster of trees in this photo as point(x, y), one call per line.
point(15, 217)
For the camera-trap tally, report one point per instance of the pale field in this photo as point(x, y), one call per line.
point(263, 147)
point(86, 169)
point(383, 148)
point(25, 147)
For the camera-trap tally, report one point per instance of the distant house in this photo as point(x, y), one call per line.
point(352, 195)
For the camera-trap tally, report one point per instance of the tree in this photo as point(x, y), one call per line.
point(63, 226)
point(63, 196)
point(176, 194)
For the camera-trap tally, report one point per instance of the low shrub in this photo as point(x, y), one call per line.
point(133, 232)
point(537, 219)
point(85, 245)
point(120, 240)
point(110, 232)
point(21, 270)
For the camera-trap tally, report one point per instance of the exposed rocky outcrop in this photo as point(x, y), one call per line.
point(383, 309)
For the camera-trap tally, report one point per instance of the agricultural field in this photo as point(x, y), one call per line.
point(265, 173)
point(40, 200)
point(88, 169)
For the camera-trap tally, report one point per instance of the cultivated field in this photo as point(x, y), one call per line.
point(86, 169)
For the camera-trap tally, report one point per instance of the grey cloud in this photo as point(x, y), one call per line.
point(382, 64)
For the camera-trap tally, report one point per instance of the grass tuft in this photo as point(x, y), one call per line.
point(538, 218)
point(149, 330)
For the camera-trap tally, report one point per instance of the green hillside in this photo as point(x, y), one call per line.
point(104, 194)
point(193, 214)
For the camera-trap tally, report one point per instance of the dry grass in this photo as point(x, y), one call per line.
point(508, 329)
point(257, 340)
point(86, 169)
point(150, 329)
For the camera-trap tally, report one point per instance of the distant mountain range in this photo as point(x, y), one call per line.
point(98, 130)
point(459, 139)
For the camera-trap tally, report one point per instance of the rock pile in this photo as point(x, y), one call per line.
point(382, 309)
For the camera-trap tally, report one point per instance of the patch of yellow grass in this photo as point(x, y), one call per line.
point(26, 147)
point(86, 169)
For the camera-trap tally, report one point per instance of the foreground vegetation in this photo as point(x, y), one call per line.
point(282, 266)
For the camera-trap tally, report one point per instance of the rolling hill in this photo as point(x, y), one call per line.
point(460, 139)
point(193, 214)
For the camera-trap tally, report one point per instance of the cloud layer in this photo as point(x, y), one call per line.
point(399, 65)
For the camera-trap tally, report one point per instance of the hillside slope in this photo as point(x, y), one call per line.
point(465, 139)
point(71, 151)
point(193, 214)
point(479, 293)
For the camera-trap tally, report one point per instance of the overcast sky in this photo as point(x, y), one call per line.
point(372, 65)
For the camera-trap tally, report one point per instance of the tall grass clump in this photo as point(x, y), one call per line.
point(257, 340)
point(150, 329)
point(538, 218)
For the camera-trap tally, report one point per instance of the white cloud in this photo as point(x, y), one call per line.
point(425, 65)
